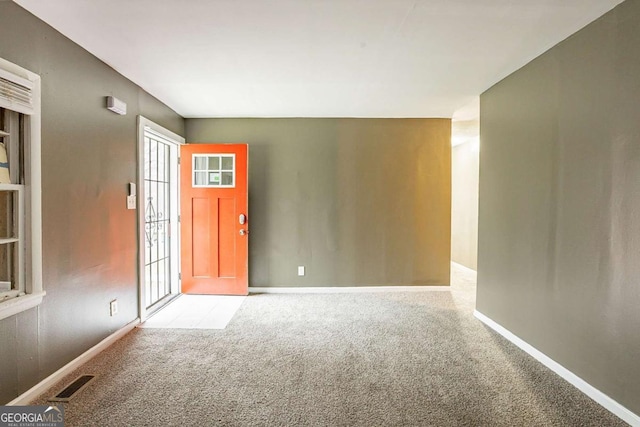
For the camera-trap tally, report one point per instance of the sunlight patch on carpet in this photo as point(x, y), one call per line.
point(196, 312)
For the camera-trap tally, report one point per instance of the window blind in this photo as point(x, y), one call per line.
point(16, 93)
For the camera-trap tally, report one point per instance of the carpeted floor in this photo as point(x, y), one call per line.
point(367, 359)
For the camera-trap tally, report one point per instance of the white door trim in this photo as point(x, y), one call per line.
point(174, 141)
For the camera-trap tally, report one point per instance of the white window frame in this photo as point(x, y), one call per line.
point(207, 155)
point(32, 220)
point(175, 141)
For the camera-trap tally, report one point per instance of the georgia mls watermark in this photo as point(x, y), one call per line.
point(31, 416)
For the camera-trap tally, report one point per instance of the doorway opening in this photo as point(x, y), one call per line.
point(465, 163)
point(158, 216)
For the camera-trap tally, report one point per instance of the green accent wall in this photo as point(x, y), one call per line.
point(89, 237)
point(559, 220)
point(358, 202)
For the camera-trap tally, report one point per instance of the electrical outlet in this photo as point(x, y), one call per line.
point(131, 202)
point(113, 307)
point(301, 270)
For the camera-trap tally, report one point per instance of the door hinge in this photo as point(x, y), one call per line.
point(179, 160)
point(179, 276)
point(178, 218)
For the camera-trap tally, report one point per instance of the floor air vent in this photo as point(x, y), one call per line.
point(72, 389)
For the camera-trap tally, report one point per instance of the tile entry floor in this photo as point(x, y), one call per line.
point(196, 312)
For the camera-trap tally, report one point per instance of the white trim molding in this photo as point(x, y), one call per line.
point(595, 394)
point(19, 304)
point(463, 268)
point(346, 289)
point(146, 126)
point(30, 395)
point(34, 288)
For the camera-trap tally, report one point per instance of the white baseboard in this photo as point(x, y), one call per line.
point(28, 396)
point(463, 267)
point(345, 290)
point(595, 394)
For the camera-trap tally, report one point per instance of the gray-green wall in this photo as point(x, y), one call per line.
point(356, 201)
point(559, 234)
point(89, 238)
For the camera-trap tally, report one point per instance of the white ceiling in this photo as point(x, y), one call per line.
point(317, 58)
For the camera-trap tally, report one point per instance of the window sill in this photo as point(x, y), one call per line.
point(19, 304)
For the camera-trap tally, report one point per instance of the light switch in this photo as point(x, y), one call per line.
point(301, 270)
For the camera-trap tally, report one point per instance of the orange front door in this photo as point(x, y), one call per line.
point(214, 218)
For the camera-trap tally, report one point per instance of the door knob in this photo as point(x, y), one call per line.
point(243, 232)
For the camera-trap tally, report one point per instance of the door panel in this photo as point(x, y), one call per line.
point(214, 190)
point(226, 237)
point(201, 248)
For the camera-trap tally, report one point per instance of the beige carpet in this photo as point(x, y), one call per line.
point(373, 359)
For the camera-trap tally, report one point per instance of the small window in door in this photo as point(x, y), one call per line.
point(214, 170)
